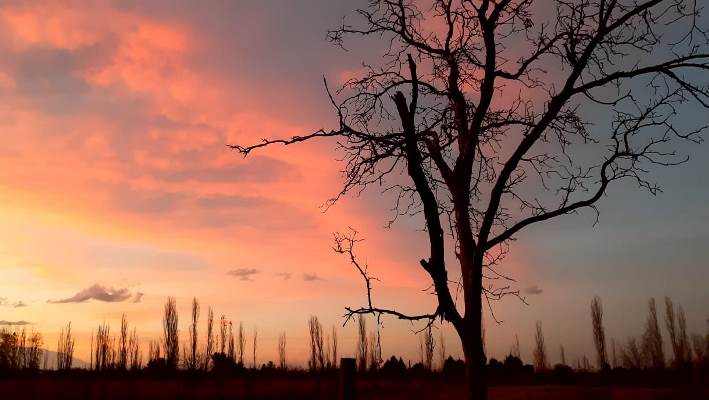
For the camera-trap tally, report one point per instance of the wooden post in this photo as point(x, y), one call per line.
point(348, 383)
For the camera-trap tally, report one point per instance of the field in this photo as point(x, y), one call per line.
point(302, 388)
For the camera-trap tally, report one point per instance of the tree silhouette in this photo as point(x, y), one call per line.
point(170, 339)
point(677, 331)
point(504, 114)
point(540, 349)
point(282, 364)
point(362, 351)
point(599, 333)
point(209, 349)
point(317, 355)
point(65, 348)
point(193, 356)
point(652, 349)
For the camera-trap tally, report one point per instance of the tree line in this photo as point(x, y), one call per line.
point(224, 349)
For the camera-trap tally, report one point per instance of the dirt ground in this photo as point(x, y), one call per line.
point(263, 389)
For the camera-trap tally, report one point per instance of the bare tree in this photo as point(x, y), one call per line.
point(562, 354)
point(683, 337)
point(540, 349)
point(333, 348)
point(242, 343)
point(255, 340)
point(102, 353)
point(134, 351)
point(91, 351)
point(317, 359)
point(65, 349)
point(326, 352)
point(515, 351)
point(599, 332)
point(222, 334)
point(282, 364)
point(706, 340)
point(20, 345)
point(153, 351)
point(193, 357)
point(45, 360)
point(171, 339)
point(678, 335)
point(699, 345)
point(653, 354)
point(122, 362)
point(631, 356)
point(375, 350)
point(230, 350)
point(362, 347)
point(32, 350)
point(486, 107)
point(428, 345)
point(441, 349)
point(615, 359)
point(210, 339)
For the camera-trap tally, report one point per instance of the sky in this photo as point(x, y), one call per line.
point(117, 189)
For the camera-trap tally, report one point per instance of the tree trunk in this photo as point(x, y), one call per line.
point(472, 341)
point(476, 386)
point(471, 336)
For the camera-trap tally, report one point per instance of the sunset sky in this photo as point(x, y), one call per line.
point(117, 189)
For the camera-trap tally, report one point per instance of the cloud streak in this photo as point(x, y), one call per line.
point(17, 304)
point(533, 290)
point(97, 292)
point(284, 275)
point(243, 274)
point(14, 323)
point(311, 277)
point(138, 297)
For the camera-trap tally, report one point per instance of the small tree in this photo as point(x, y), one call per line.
point(254, 349)
point(230, 348)
point(540, 349)
point(653, 354)
point(193, 357)
point(362, 347)
point(242, 343)
point(33, 351)
point(282, 352)
point(699, 345)
point(333, 347)
point(122, 362)
point(599, 333)
point(209, 350)
point(171, 339)
point(678, 335)
point(65, 348)
point(562, 354)
point(375, 351)
point(428, 345)
point(103, 358)
point(631, 356)
point(134, 351)
point(223, 327)
point(515, 351)
point(441, 349)
point(317, 359)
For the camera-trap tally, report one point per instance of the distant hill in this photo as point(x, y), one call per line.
point(52, 360)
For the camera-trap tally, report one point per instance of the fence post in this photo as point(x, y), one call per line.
point(348, 384)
